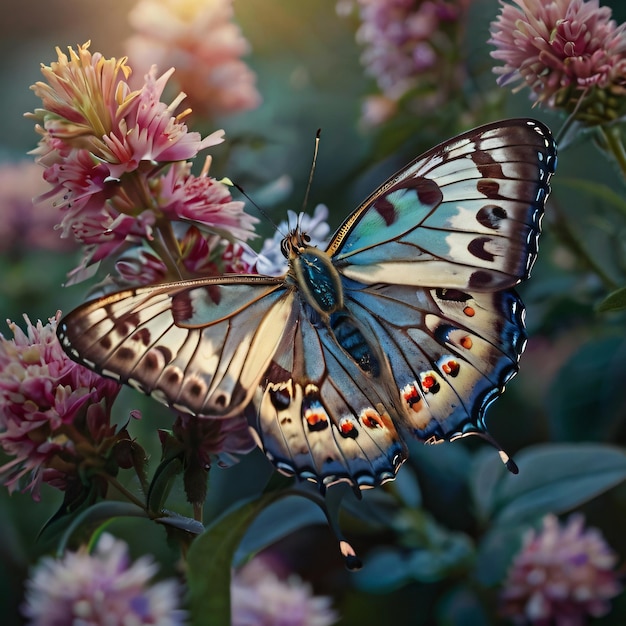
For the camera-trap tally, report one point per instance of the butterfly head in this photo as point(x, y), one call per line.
point(295, 243)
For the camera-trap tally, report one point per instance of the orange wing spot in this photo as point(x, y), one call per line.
point(466, 342)
point(314, 417)
point(469, 311)
point(451, 368)
point(372, 419)
point(316, 420)
point(412, 397)
point(347, 428)
point(430, 383)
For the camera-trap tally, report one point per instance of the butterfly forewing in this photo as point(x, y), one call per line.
point(466, 215)
point(194, 345)
point(408, 322)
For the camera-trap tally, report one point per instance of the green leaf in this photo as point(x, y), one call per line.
point(97, 514)
point(210, 560)
point(615, 301)
point(586, 399)
point(276, 522)
point(553, 479)
point(162, 482)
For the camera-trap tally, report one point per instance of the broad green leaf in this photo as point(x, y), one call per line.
point(586, 399)
point(276, 522)
point(615, 301)
point(210, 560)
point(496, 551)
point(555, 478)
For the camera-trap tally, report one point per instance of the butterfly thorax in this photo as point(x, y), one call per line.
point(313, 272)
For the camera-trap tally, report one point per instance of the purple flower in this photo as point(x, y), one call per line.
point(270, 260)
point(259, 596)
point(409, 45)
point(100, 589)
point(42, 396)
point(570, 53)
point(24, 224)
point(561, 575)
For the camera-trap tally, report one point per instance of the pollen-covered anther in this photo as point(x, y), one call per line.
point(430, 383)
point(371, 418)
point(451, 367)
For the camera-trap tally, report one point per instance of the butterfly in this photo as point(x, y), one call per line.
point(406, 325)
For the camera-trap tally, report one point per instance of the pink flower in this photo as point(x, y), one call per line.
point(201, 199)
point(409, 45)
point(117, 161)
point(42, 396)
point(100, 589)
point(88, 105)
point(564, 50)
point(562, 575)
point(259, 596)
point(199, 39)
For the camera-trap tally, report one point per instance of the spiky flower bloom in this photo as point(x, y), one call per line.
point(116, 159)
point(570, 53)
point(54, 413)
point(199, 39)
point(259, 596)
point(100, 589)
point(561, 576)
point(410, 46)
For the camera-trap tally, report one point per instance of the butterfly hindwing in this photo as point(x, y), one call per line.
point(321, 416)
point(465, 215)
point(451, 353)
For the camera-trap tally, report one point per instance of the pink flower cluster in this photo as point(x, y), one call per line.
point(561, 576)
point(562, 49)
point(408, 45)
point(49, 407)
point(199, 39)
point(117, 160)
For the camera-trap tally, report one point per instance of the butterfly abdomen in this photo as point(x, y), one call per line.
point(352, 340)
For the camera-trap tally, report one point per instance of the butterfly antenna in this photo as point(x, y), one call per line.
point(264, 213)
point(310, 182)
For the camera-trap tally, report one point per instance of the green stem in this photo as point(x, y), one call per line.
point(127, 494)
point(614, 143)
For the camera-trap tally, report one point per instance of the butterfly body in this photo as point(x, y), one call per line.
point(406, 324)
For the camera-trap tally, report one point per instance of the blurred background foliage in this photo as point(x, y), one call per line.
point(452, 509)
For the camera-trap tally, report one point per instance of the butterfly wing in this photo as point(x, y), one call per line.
point(465, 215)
point(428, 261)
point(200, 346)
point(320, 416)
